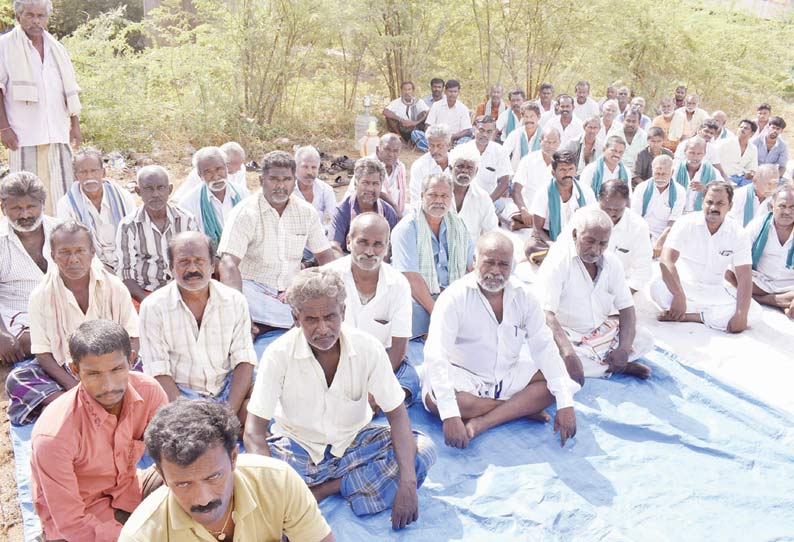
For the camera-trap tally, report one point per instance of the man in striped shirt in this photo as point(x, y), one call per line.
point(196, 332)
point(144, 234)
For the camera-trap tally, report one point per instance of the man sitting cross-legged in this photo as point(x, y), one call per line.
point(85, 448)
point(581, 285)
point(79, 289)
point(700, 248)
point(196, 332)
point(315, 381)
point(772, 238)
point(378, 296)
point(211, 492)
point(476, 374)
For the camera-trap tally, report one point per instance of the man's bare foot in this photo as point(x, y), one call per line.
point(790, 311)
point(637, 370)
point(474, 427)
point(542, 417)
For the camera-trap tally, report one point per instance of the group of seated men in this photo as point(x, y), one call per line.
point(138, 324)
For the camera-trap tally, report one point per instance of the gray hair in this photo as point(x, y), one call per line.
point(20, 5)
point(232, 147)
point(146, 171)
point(306, 152)
point(314, 283)
point(85, 152)
point(367, 166)
point(439, 131)
point(550, 130)
point(611, 103)
point(593, 120)
point(591, 217)
point(787, 186)
point(612, 140)
point(97, 338)
point(71, 226)
point(768, 171)
point(464, 153)
point(662, 159)
point(206, 152)
point(21, 184)
point(694, 140)
point(430, 179)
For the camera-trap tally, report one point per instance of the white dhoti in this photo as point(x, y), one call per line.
point(716, 304)
point(593, 347)
point(265, 306)
point(771, 285)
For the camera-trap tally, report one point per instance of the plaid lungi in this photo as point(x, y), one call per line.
point(51, 163)
point(28, 386)
point(368, 469)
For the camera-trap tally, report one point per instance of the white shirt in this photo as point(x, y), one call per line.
point(586, 177)
point(532, 172)
point(19, 274)
point(691, 195)
point(191, 202)
point(659, 213)
point(639, 142)
point(386, 315)
point(733, 161)
point(464, 332)
point(544, 109)
point(580, 303)
point(494, 164)
point(586, 110)
point(422, 168)
point(703, 258)
point(772, 264)
point(740, 202)
point(36, 123)
point(512, 145)
point(574, 129)
point(104, 229)
point(199, 357)
point(324, 200)
point(456, 118)
point(401, 109)
point(193, 180)
point(540, 204)
point(712, 153)
point(478, 212)
point(501, 121)
point(291, 388)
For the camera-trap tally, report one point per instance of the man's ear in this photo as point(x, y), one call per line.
point(573, 234)
point(234, 458)
point(75, 369)
point(297, 322)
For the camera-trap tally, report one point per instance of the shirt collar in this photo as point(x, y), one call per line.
point(175, 296)
point(302, 349)
point(265, 206)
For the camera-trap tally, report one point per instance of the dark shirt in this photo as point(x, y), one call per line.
point(340, 219)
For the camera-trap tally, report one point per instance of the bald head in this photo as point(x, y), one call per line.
point(766, 180)
point(370, 223)
point(591, 234)
point(494, 261)
point(494, 240)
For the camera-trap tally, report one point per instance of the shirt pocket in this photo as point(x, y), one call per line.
point(511, 338)
point(380, 331)
point(347, 413)
point(295, 242)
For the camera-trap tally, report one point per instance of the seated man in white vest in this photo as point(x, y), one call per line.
point(474, 205)
point(772, 244)
point(701, 247)
point(609, 166)
point(581, 286)
point(755, 199)
point(378, 296)
point(477, 373)
point(660, 201)
point(98, 203)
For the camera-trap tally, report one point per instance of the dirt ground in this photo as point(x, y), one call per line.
point(10, 516)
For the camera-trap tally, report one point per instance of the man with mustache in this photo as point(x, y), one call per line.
point(144, 234)
point(687, 120)
point(39, 100)
point(378, 296)
point(368, 177)
point(452, 113)
point(701, 247)
point(212, 493)
point(235, 164)
point(473, 204)
point(432, 248)
point(510, 117)
point(312, 189)
point(772, 238)
point(581, 286)
point(694, 173)
point(264, 242)
point(738, 155)
point(85, 448)
point(585, 107)
point(196, 332)
point(635, 137)
point(663, 121)
point(435, 160)
point(610, 165)
point(569, 126)
point(477, 374)
point(755, 199)
point(707, 131)
point(314, 381)
point(212, 201)
point(76, 289)
point(405, 116)
point(771, 147)
point(96, 202)
point(24, 258)
point(659, 200)
point(495, 170)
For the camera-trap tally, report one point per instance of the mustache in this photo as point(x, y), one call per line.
point(110, 393)
point(193, 275)
point(209, 507)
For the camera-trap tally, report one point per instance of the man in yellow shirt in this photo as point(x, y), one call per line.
point(212, 494)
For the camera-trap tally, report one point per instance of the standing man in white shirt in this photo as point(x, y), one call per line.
point(473, 204)
point(585, 107)
point(212, 201)
point(453, 113)
point(660, 201)
point(477, 375)
point(494, 171)
point(314, 382)
point(755, 199)
point(569, 126)
point(581, 285)
point(406, 116)
point(378, 296)
point(700, 248)
point(40, 106)
point(435, 160)
point(739, 157)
